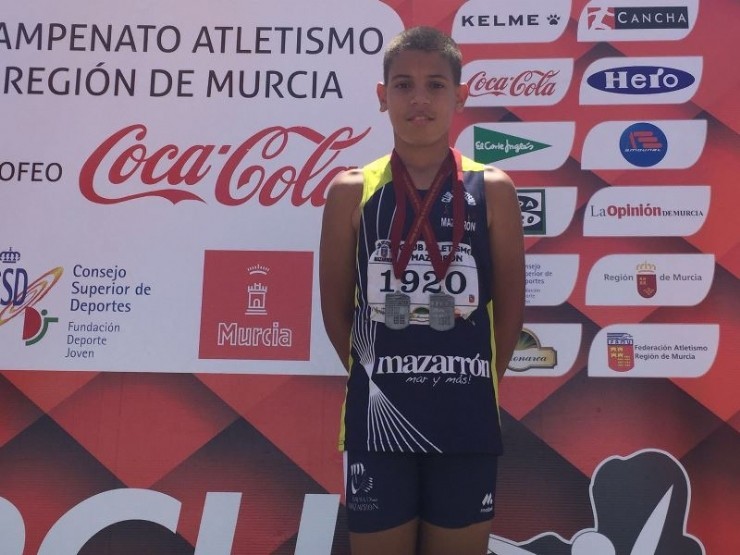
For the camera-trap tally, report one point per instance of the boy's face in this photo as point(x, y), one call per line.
point(421, 97)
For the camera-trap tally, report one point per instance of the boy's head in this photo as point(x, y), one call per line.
point(426, 39)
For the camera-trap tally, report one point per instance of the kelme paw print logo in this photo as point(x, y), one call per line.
point(553, 19)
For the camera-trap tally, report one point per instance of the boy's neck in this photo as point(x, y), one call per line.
point(422, 163)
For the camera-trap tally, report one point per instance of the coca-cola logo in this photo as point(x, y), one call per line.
point(124, 167)
point(520, 82)
point(526, 83)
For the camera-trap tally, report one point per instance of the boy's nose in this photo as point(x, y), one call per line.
point(420, 97)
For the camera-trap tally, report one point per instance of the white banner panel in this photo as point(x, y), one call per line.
point(181, 164)
point(519, 145)
point(632, 145)
point(643, 80)
point(499, 21)
point(642, 211)
point(550, 278)
point(545, 350)
point(546, 211)
point(631, 20)
point(530, 82)
point(650, 279)
point(653, 350)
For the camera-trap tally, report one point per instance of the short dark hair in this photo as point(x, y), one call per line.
point(426, 39)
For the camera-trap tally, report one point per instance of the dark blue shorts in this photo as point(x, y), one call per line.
point(384, 490)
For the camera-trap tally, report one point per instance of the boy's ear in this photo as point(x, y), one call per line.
point(462, 95)
point(380, 91)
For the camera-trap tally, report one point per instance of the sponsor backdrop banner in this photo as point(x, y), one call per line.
point(165, 382)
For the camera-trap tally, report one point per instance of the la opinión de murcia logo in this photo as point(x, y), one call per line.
point(248, 171)
point(18, 296)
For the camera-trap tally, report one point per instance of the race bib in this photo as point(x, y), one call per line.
point(419, 280)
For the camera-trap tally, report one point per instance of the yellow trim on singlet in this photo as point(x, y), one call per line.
point(378, 173)
point(469, 165)
point(374, 176)
point(494, 373)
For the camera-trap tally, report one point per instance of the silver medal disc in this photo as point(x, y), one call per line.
point(441, 311)
point(397, 310)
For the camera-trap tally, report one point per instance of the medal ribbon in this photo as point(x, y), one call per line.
point(405, 190)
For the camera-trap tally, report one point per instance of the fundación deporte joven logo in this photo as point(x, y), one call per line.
point(18, 296)
point(256, 305)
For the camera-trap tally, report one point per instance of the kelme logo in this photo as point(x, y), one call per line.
point(492, 146)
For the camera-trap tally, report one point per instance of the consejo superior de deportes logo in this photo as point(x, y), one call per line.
point(18, 296)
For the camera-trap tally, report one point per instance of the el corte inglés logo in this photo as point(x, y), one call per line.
point(491, 146)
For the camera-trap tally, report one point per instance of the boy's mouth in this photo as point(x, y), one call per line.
point(421, 117)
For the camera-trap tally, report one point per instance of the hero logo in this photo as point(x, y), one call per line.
point(655, 80)
point(517, 82)
point(251, 170)
point(641, 80)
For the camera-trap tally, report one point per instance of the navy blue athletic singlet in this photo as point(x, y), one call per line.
point(418, 389)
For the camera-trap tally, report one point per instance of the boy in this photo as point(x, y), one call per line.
point(421, 268)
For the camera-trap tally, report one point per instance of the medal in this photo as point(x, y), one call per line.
point(405, 190)
point(441, 305)
point(397, 310)
point(441, 311)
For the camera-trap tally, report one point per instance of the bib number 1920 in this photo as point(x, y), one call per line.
point(454, 282)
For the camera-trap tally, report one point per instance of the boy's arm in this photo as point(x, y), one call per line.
point(337, 252)
point(506, 241)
